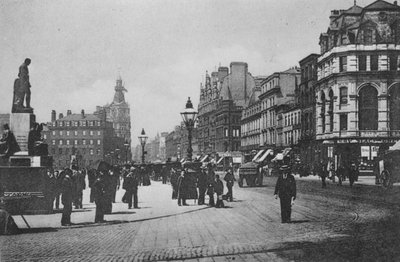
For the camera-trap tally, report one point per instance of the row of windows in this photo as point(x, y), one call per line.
point(67, 151)
point(75, 133)
point(292, 119)
point(76, 123)
point(76, 142)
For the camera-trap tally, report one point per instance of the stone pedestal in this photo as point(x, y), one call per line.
point(20, 124)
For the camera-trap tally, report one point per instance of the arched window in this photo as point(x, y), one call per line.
point(368, 108)
point(331, 110)
point(323, 102)
point(394, 107)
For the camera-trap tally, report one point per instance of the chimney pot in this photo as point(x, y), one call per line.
point(83, 113)
point(53, 115)
point(69, 112)
point(395, 2)
point(60, 116)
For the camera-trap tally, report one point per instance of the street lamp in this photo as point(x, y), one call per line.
point(126, 144)
point(117, 156)
point(143, 139)
point(189, 117)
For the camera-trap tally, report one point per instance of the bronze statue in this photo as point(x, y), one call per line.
point(22, 90)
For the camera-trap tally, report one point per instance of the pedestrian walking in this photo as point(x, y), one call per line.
point(229, 179)
point(100, 196)
point(164, 174)
point(130, 184)
point(80, 185)
point(321, 171)
point(353, 174)
point(91, 178)
point(174, 183)
point(202, 185)
point(219, 189)
point(285, 188)
point(182, 189)
point(58, 189)
point(67, 197)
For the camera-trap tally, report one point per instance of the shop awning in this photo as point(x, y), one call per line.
point(268, 152)
point(219, 160)
point(204, 158)
point(286, 151)
point(257, 155)
point(278, 156)
point(395, 147)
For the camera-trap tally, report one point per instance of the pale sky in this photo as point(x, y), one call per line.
point(161, 49)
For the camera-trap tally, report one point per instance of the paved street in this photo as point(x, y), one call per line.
point(337, 223)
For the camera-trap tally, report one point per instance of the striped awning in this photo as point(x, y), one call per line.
point(257, 155)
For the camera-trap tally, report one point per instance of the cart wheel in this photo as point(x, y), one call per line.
point(386, 179)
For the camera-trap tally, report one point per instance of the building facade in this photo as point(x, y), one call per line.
point(118, 113)
point(358, 87)
point(87, 138)
point(307, 104)
point(222, 100)
point(277, 96)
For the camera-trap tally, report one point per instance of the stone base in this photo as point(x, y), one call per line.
point(20, 124)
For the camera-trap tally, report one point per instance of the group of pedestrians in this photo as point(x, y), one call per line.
point(326, 169)
point(196, 183)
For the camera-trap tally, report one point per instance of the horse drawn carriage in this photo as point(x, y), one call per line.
point(389, 167)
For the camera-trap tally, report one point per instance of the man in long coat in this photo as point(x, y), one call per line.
point(202, 183)
point(99, 188)
point(182, 189)
point(219, 189)
point(285, 188)
point(229, 179)
point(130, 184)
point(67, 197)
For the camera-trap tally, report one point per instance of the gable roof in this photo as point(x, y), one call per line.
point(354, 10)
point(78, 117)
point(380, 5)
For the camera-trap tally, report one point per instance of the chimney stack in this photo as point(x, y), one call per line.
point(69, 112)
point(60, 116)
point(53, 115)
point(395, 3)
point(83, 113)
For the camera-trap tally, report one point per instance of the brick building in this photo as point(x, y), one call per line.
point(222, 100)
point(86, 137)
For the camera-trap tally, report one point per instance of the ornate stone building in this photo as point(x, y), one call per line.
point(118, 113)
point(222, 100)
point(358, 88)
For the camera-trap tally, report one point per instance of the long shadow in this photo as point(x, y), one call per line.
point(36, 230)
point(299, 221)
point(122, 213)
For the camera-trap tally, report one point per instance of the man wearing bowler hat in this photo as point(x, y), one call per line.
point(286, 190)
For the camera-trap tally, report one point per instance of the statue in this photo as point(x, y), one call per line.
point(22, 90)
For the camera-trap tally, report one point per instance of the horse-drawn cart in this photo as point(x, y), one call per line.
point(389, 167)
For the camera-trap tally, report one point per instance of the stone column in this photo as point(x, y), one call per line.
point(20, 124)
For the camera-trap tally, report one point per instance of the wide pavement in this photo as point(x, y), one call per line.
point(337, 223)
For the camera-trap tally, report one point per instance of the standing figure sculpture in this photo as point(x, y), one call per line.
point(22, 90)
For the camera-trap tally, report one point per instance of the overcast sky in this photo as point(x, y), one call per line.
point(161, 49)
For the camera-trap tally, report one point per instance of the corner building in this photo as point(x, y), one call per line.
point(358, 84)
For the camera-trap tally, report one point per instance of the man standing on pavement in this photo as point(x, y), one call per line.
point(66, 198)
point(100, 196)
point(182, 188)
point(286, 190)
point(229, 179)
point(174, 183)
point(130, 184)
point(202, 185)
point(219, 189)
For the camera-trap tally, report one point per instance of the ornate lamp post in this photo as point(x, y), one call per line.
point(126, 144)
point(143, 139)
point(117, 156)
point(189, 117)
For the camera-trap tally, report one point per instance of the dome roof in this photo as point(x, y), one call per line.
point(225, 93)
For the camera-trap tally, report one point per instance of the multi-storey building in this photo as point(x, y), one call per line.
point(277, 96)
point(251, 121)
point(118, 113)
point(358, 88)
point(87, 138)
point(222, 99)
point(306, 102)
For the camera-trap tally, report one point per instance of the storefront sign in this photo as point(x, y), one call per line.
point(366, 141)
point(21, 195)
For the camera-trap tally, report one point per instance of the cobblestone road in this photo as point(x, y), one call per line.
point(339, 223)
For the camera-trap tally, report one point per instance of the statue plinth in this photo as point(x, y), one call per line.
point(20, 124)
